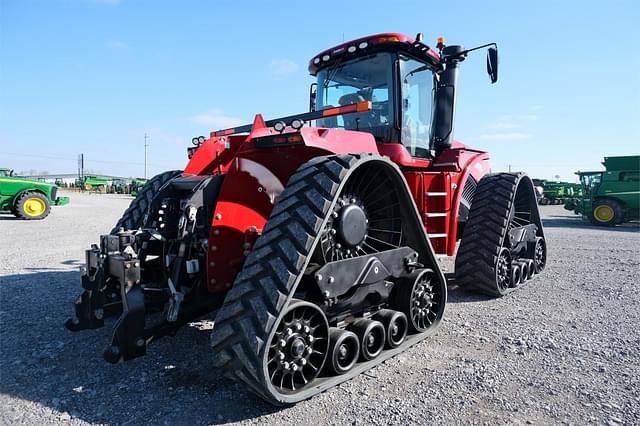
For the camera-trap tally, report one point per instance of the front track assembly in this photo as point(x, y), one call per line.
point(286, 349)
point(503, 245)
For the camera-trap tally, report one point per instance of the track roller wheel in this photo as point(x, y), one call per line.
point(540, 255)
point(298, 348)
point(524, 270)
point(421, 298)
point(395, 324)
point(344, 350)
point(516, 275)
point(371, 336)
point(531, 267)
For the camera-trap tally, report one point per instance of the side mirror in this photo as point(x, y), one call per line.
point(312, 96)
point(492, 64)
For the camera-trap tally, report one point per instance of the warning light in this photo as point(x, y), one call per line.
point(440, 42)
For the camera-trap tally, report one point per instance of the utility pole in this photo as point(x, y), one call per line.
point(145, 154)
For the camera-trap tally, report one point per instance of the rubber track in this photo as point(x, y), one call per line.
point(272, 270)
point(485, 232)
point(134, 215)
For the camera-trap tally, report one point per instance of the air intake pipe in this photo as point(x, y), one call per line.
point(445, 98)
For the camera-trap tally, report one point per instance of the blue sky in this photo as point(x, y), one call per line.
point(93, 76)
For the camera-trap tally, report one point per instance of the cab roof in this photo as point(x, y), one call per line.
point(376, 42)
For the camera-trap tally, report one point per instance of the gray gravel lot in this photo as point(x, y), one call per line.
point(563, 349)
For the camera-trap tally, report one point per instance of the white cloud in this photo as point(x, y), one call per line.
point(157, 135)
point(527, 117)
point(514, 136)
point(282, 67)
point(512, 121)
point(502, 124)
point(116, 45)
point(216, 118)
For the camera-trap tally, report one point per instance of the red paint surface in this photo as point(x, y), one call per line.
point(255, 178)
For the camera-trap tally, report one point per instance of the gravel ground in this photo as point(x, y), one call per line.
point(563, 349)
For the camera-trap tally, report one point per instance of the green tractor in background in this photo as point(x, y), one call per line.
point(612, 196)
point(136, 185)
point(119, 186)
point(26, 198)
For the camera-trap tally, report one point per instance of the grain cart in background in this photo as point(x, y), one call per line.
point(94, 183)
point(612, 196)
point(316, 246)
point(555, 192)
point(26, 198)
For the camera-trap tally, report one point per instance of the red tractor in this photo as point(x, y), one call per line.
point(316, 247)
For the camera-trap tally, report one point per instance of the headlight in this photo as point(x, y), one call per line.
point(279, 126)
point(297, 123)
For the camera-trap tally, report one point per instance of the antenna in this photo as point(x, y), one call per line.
point(145, 154)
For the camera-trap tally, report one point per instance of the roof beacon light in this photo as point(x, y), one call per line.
point(440, 42)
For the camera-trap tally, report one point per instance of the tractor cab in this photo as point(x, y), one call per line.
point(410, 86)
point(6, 172)
point(590, 181)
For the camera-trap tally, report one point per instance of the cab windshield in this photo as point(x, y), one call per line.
point(590, 181)
point(369, 78)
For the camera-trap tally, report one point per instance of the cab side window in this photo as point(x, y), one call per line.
point(416, 85)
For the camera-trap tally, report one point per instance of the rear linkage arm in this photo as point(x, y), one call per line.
point(114, 264)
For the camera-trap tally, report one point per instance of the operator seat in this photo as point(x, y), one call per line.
point(358, 120)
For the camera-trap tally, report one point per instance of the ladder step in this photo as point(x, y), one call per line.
point(436, 194)
point(437, 235)
point(436, 214)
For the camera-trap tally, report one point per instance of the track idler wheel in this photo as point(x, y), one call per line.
point(505, 271)
point(372, 337)
point(395, 324)
point(344, 350)
point(298, 348)
point(421, 298)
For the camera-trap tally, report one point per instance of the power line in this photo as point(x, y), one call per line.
point(51, 157)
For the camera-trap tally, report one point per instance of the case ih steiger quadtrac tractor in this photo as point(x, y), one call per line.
point(316, 247)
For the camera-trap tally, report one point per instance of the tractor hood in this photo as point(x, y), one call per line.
point(30, 182)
